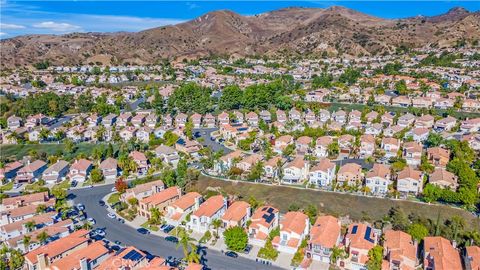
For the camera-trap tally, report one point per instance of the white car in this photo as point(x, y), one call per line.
point(91, 221)
point(114, 189)
point(111, 215)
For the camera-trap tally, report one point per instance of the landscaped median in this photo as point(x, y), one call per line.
point(357, 207)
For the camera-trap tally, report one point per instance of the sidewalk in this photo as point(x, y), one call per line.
point(282, 261)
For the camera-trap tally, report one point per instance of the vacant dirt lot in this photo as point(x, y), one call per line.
point(357, 207)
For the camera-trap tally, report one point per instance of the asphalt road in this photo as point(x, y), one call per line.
point(155, 245)
point(208, 142)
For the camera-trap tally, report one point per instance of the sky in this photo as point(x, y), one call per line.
point(61, 17)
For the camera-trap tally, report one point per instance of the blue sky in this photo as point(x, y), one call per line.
point(60, 17)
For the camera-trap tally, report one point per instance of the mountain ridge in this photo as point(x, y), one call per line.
point(295, 30)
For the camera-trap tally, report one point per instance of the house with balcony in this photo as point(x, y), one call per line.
point(324, 235)
point(439, 253)
point(412, 153)
point(350, 174)
point(236, 214)
point(294, 227)
point(296, 171)
point(410, 180)
point(358, 241)
point(177, 211)
point(322, 174)
point(160, 200)
point(201, 219)
point(390, 146)
point(263, 221)
point(378, 179)
point(80, 170)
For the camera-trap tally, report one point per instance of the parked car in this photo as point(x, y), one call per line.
point(101, 202)
point(168, 228)
point(80, 207)
point(73, 183)
point(121, 220)
point(111, 215)
point(143, 231)
point(118, 243)
point(231, 254)
point(172, 239)
point(91, 221)
point(115, 248)
point(248, 248)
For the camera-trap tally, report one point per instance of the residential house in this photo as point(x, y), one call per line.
point(440, 254)
point(302, 144)
point(470, 125)
point(323, 173)
point(296, 171)
point(367, 146)
point(321, 146)
point(419, 134)
point(387, 119)
point(177, 211)
point(252, 119)
point(130, 258)
point(406, 120)
point(445, 124)
point(151, 120)
point(282, 142)
point(266, 116)
point(56, 173)
point(294, 115)
point(350, 174)
point(410, 180)
point(272, 167)
point(188, 146)
point(248, 162)
point(400, 251)
point(439, 157)
point(223, 118)
point(142, 190)
point(80, 170)
point(138, 120)
point(31, 172)
point(425, 121)
point(141, 160)
point(237, 214)
point(281, 116)
point(412, 153)
point(123, 119)
point(34, 199)
point(196, 120)
point(378, 179)
point(143, 134)
point(390, 146)
point(109, 168)
point(325, 234)
point(472, 258)
point(9, 171)
point(109, 120)
point(226, 162)
point(201, 219)
point(88, 257)
point(14, 122)
point(358, 241)
point(340, 116)
point(345, 143)
point(43, 257)
point(444, 179)
point(181, 120)
point(294, 227)
point(263, 221)
point(209, 121)
point(167, 155)
point(159, 200)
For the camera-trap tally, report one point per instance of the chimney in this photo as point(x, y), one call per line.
point(42, 261)
point(84, 264)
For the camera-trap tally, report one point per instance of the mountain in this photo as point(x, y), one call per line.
point(335, 30)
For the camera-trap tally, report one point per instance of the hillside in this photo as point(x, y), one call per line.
point(291, 30)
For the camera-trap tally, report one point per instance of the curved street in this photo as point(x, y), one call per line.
point(156, 245)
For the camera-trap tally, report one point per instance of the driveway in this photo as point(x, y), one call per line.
point(156, 245)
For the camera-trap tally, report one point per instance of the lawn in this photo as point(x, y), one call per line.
point(7, 186)
point(149, 227)
point(20, 150)
point(357, 207)
point(63, 185)
point(114, 198)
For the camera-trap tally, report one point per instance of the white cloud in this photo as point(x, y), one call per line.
point(3, 34)
point(58, 27)
point(11, 26)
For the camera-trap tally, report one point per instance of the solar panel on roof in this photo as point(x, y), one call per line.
point(264, 208)
point(367, 235)
point(133, 255)
point(270, 210)
point(354, 229)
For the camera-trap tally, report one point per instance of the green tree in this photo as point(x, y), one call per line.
point(236, 238)
point(96, 175)
point(43, 237)
point(26, 242)
point(155, 216)
point(231, 98)
point(187, 243)
point(375, 256)
point(337, 253)
point(418, 231)
point(30, 225)
point(401, 87)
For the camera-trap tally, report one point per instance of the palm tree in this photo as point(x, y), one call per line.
point(186, 241)
point(155, 216)
point(30, 225)
point(193, 256)
point(26, 242)
point(216, 224)
point(43, 237)
point(337, 253)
